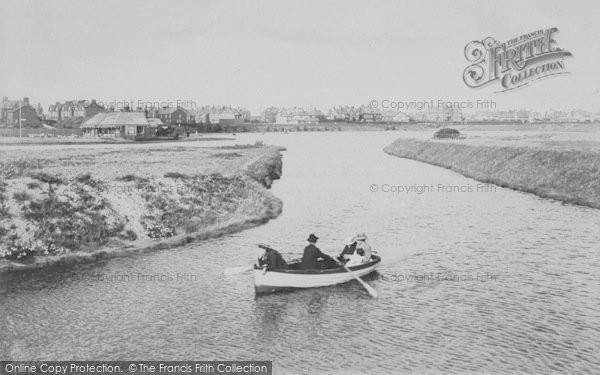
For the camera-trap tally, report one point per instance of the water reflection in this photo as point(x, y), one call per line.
point(270, 311)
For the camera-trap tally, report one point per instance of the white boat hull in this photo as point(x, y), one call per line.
point(272, 281)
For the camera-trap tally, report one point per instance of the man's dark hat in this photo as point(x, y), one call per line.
point(312, 238)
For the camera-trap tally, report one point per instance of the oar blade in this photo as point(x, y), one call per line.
point(372, 292)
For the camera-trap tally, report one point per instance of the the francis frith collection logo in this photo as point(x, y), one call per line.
point(514, 63)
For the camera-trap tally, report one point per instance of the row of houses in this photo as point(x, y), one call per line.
point(21, 112)
point(299, 116)
point(565, 116)
point(173, 115)
point(223, 115)
point(72, 109)
point(373, 115)
point(15, 113)
point(524, 116)
point(227, 115)
point(354, 114)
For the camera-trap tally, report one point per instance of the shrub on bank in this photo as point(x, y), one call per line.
point(45, 177)
point(71, 223)
point(21, 250)
point(226, 155)
point(86, 179)
point(128, 178)
point(176, 175)
point(33, 185)
point(21, 196)
point(4, 214)
point(199, 201)
point(257, 144)
point(266, 169)
point(128, 235)
point(16, 168)
point(159, 231)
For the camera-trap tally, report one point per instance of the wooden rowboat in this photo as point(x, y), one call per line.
point(296, 278)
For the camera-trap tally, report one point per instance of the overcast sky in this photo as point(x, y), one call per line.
point(284, 53)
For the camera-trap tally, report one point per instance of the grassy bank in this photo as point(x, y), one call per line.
point(68, 205)
point(566, 174)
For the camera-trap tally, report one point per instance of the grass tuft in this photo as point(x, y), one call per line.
point(33, 185)
point(128, 178)
point(21, 196)
point(45, 177)
point(17, 168)
point(176, 175)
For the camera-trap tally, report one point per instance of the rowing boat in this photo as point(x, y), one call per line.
point(296, 278)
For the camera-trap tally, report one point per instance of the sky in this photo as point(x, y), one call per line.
point(258, 54)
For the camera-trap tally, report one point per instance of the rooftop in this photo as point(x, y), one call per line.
point(116, 119)
point(170, 110)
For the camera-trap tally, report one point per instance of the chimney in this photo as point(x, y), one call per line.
point(26, 100)
point(4, 98)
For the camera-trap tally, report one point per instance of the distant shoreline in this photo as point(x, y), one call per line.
point(30, 141)
point(198, 133)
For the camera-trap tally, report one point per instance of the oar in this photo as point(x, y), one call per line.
point(236, 270)
point(368, 287)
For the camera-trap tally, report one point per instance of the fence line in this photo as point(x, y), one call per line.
point(41, 132)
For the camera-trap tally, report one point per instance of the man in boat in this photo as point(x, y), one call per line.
point(312, 254)
point(270, 259)
point(349, 249)
point(363, 245)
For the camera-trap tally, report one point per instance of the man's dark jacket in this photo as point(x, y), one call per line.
point(310, 257)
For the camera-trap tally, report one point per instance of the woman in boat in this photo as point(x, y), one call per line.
point(270, 259)
point(355, 258)
point(349, 249)
point(361, 243)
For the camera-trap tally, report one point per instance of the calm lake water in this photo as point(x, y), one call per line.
point(472, 280)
